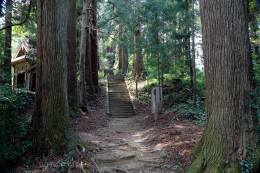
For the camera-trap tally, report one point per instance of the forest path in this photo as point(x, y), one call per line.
point(122, 148)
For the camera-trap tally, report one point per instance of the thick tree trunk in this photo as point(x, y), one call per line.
point(88, 55)
point(72, 59)
point(94, 47)
point(6, 78)
point(229, 127)
point(51, 115)
point(83, 59)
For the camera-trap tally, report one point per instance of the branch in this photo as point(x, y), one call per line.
point(98, 30)
point(22, 22)
point(107, 20)
point(91, 9)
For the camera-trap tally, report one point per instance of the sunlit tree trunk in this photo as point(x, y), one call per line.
point(83, 59)
point(138, 61)
point(120, 49)
point(51, 115)
point(72, 59)
point(229, 131)
point(6, 78)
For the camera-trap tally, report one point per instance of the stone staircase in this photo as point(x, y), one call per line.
point(119, 104)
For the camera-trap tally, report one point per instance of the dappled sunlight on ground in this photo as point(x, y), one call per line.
point(173, 136)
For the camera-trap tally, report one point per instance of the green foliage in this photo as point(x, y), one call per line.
point(165, 33)
point(246, 167)
point(1, 52)
point(162, 154)
point(176, 167)
point(189, 110)
point(255, 106)
point(177, 96)
point(13, 125)
point(249, 163)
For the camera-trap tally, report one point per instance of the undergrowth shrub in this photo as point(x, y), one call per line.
point(177, 96)
point(255, 106)
point(190, 110)
point(13, 122)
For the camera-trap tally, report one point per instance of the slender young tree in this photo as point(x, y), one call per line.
point(120, 50)
point(73, 97)
point(193, 61)
point(229, 130)
point(51, 115)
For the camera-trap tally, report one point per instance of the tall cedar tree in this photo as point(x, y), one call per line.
point(229, 127)
point(51, 115)
point(93, 44)
point(82, 61)
point(6, 77)
point(193, 56)
point(138, 61)
point(72, 59)
point(125, 59)
point(120, 50)
point(88, 48)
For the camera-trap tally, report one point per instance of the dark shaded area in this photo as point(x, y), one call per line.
point(2, 165)
point(1, 7)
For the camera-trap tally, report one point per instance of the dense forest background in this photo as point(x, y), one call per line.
point(151, 42)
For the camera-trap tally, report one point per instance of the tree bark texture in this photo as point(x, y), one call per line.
point(83, 59)
point(120, 50)
point(125, 60)
point(6, 78)
point(229, 123)
point(51, 115)
point(193, 56)
point(88, 65)
point(138, 61)
point(94, 46)
point(73, 97)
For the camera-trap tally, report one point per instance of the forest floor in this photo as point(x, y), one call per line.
point(126, 145)
point(138, 144)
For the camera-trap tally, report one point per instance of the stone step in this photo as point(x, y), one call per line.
point(118, 93)
point(121, 108)
point(120, 103)
point(120, 99)
point(122, 112)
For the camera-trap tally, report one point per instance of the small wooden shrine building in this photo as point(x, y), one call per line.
point(24, 75)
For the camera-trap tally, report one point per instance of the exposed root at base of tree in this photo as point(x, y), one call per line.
point(221, 164)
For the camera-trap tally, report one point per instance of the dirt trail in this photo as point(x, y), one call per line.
point(122, 148)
